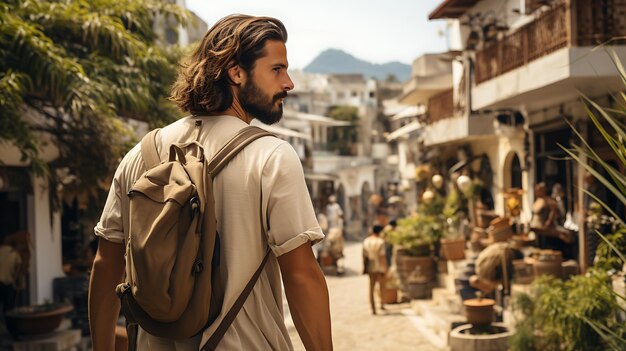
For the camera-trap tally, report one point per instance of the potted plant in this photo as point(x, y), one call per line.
point(389, 291)
point(453, 242)
point(479, 311)
point(579, 314)
point(415, 237)
point(39, 319)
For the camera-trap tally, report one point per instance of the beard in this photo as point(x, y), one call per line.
point(259, 105)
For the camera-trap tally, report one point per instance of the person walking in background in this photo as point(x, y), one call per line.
point(334, 213)
point(236, 74)
point(319, 246)
point(375, 263)
point(333, 247)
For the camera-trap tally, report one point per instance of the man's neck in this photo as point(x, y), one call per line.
point(237, 113)
point(236, 110)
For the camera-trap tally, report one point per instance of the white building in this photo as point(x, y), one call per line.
point(519, 70)
point(352, 176)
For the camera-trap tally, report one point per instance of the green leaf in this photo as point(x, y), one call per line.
point(620, 132)
point(610, 244)
point(598, 176)
point(615, 341)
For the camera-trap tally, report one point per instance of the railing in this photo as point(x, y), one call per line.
point(589, 22)
point(599, 20)
point(532, 41)
point(440, 106)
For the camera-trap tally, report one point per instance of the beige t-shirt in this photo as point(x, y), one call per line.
point(267, 163)
point(373, 248)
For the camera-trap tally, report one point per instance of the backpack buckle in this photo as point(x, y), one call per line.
point(122, 289)
point(194, 204)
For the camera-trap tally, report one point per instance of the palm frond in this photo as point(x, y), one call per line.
point(620, 196)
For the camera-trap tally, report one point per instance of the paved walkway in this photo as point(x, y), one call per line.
point(354, 326)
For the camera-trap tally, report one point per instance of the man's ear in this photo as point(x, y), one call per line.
point(236, 75)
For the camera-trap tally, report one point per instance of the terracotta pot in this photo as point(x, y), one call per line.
point(479, 311)
point(389, 296)
point(31, 320)
point(423, 267)
point(570, 268)
point(419, 290)
point(522, 272)
point(548, 262)
point(453, 249)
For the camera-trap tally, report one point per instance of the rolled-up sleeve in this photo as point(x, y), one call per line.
point(111, 225)
point(290, 215)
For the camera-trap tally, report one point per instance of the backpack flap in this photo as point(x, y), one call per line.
point(164, 221)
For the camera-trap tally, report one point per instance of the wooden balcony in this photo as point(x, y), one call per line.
point(568, 23)
point(440, 106)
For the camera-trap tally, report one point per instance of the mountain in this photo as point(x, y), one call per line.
point(333, 61)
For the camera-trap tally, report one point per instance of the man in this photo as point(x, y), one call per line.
point(333, 245)
point(238, 73)
point(375, 263)
point(334, 213)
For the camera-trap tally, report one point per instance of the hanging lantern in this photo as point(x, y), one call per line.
point(428, 196)
point(464, 183)
point(437, 181)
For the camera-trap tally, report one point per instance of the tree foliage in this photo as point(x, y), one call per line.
point(71, 72)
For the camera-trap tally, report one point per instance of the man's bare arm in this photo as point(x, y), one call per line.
point(307, 295)
point(104, 305)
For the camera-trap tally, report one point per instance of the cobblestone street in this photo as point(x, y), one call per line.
point(354, 326)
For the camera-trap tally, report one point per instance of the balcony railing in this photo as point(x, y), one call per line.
point(440, 106)
point(595, 21)
point(599, 20)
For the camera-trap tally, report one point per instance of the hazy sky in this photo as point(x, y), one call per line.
point(378, 31)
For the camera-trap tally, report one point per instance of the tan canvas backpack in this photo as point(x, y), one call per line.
point(172, 287)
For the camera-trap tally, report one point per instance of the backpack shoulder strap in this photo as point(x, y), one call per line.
point(149, 151)
point(223, 156)
point(218, 334)
point(233, 147)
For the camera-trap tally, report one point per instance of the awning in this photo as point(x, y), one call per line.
point(421, 88)
point(410, 111)
point(392, 107)
point(281, 130)
point(320, 177)
point(317, 119)
point(451, 9)
point(404, 130)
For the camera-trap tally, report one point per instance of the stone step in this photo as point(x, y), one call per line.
point(438, 315)
point(447, 300)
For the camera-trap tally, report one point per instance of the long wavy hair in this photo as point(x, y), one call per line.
point(202, 85)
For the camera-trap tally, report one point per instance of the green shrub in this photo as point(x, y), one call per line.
point(417, 234)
